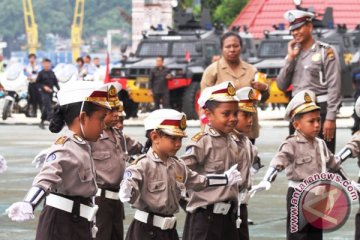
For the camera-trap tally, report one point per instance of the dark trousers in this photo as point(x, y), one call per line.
point(34, 96)
point(331, 144)
point(109, 219)
point(55, 224)
point(308, 232)
point(163, 97)
point(203, 224)
point(146, 231)
point(243, 231)
point(46, 111)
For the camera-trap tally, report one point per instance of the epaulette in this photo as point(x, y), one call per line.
point(198, 136)
point(234, 137)
point(143, 156)
point(61, 140)
point(290, 136)
point(324, 45)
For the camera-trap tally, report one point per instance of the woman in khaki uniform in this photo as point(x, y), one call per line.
point(157, 180)
point(230, 67)
point(67, 178)
point(110, 157)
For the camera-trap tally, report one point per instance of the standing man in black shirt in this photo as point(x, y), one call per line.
point(46, 81)
point(158, 83)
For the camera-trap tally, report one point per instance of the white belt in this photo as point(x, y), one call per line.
point(163, 223)
point(322, 98)
point(66, 205)
point(294, 184)
point(108, 194)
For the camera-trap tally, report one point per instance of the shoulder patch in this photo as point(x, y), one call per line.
point(143, 156)
point(197, 136)
point(234, 137)
point(61, 140)
point(330, 53)
point(51, 157)
point(324, 45)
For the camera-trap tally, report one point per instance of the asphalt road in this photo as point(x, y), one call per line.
point(19, 144)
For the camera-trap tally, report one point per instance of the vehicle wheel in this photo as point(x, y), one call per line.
point(6, 109)
point(189, 102)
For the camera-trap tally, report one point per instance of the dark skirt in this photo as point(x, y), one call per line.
point(109, 219)
point(55, 224)
point(142, 231)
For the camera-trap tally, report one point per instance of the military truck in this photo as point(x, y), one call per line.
point(273, 50)
point(187, 51)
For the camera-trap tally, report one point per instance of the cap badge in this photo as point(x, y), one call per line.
point(251, 95)
point(231, 90)
point(112, 91)
point(307, 98)
point(291, 17)
point(183, 123)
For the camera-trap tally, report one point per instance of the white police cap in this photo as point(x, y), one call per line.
point(247, 99)
point(297, 18)
point(302, 102)
point(80, 91)
point(169, 121)
point(223, 92)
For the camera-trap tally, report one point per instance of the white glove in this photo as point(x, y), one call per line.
point(3, 165)
point(125, 191)
point(20, 211)
point(263, 185)
point(356, 186)
point(233, 175)
point(40, 158)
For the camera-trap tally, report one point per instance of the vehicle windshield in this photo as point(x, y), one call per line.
point(153, 49)
point(271, 49)
point(179, 49)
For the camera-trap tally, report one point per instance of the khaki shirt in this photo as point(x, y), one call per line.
point(354, 146)
point(109, 159)
point(212, 152)
point(157, 185)
point(301, 158)
point(242, 76)
point(69, 168)
point(304, 73)
point(129, 145)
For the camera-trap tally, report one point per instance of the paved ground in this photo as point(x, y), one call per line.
point(19, 143)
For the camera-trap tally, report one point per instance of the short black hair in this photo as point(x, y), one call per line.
point(80, 59)
point(88, 56)
point(230, 34)
point(301, 115)
point(211, 105)
point(32, 55)
point(67, 113)
point(160, 56)
point(46, 60)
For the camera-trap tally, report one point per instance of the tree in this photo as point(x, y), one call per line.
point(227, 11)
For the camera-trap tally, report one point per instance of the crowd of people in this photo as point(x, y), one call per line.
point(93, 168)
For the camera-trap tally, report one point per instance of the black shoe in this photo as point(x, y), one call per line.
point(42, 125)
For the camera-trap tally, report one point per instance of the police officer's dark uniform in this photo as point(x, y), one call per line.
point(158, 86)
point(316, 69)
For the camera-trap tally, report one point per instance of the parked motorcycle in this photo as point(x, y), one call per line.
point(15, 85)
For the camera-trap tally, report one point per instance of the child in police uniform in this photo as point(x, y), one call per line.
point(131, 146)
point(211, 212)
point(250, 162)
point(154, 183)
point(301, 155)
point(67, 178)
point(110, 157)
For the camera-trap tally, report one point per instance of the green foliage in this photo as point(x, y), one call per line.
point(55, 16)
point(227, 11)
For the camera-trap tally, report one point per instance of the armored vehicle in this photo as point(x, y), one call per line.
point(187, 51)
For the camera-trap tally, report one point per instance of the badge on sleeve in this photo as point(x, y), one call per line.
point(51, 157)
point(189, 150)
point(330, 53)
point(127, 174)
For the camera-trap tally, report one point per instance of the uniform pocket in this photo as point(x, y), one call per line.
point(102, 159)
point(304, 160)
point(214, 167)
point(156, 186)
point(85, 175)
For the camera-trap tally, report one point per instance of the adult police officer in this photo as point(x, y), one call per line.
point(312, 65)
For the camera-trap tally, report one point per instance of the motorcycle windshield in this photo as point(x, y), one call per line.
point(13, 71)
